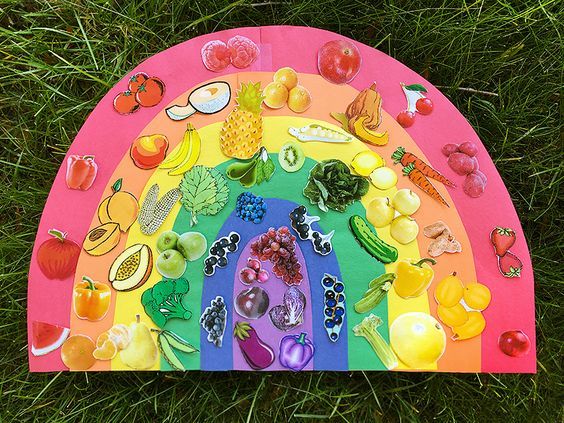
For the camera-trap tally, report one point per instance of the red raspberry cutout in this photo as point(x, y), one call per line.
point(216, 55)
point(243, 51)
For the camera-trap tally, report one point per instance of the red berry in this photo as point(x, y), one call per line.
point(243, 51)
point(424, 106)
point(215, 55)
point(514, 343)
point(406, 118)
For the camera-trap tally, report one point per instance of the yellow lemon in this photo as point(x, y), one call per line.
point(418, 339)
point(449, 291)
point(383, 178)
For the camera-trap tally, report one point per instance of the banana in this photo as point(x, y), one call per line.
point(180, 154)
point(192, 157)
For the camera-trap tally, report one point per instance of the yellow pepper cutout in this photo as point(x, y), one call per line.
point(91, 299)
point(413, 278)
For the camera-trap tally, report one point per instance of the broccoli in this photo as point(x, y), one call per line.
point(164, 301)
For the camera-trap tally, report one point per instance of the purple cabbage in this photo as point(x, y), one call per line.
point(288, 315)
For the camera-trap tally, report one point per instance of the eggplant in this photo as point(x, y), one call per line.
point(256, 353)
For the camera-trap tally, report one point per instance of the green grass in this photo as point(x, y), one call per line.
point(499, 62)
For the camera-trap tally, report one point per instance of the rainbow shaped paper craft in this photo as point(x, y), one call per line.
point(108, 136)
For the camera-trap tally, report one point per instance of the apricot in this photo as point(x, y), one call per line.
point(286, 76)
point(299, 99)
point(275, 95)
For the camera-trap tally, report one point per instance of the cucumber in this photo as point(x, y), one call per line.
point(370, 241)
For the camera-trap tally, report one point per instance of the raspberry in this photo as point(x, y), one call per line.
point(216, 55)
point(243, 51)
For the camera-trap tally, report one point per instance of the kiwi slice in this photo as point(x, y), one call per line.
point(291, 157)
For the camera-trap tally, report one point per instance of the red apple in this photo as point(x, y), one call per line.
point(338, 61)
point(149, 151)
point(514, 343)
point(57, 257)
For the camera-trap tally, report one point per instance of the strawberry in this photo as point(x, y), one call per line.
point(509, 265)
point(502, 240)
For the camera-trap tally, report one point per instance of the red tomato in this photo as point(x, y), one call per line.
point(406, 118)
point(125, 103)
point(514, 343)
point(136, 81)
point(151, 92)
point(424, 106)
point(57, 257)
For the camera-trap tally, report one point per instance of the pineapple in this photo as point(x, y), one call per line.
point(241, 133)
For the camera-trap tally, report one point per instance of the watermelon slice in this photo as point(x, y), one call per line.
point(47, 337)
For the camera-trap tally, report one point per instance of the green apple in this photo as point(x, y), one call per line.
point(167, 241)
point(379, 212)
point(171, 264)
point(406, 202)
point(192, 245)
point(404, 229)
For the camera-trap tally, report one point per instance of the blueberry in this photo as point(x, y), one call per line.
point(330, 303)
point(316, 235)
point(213, 251)
point(338, 320)
point(340, 298)
point(302, 210)
point(339, 287)
point(257, 220)
point(221, 252)
point(334, 336)
point(208, 270)
point(339, 311)
point(329, 294)
point(222, 262)
point(329, 323)
point(232, 247)
point(234, 238)
point(327, 281)
point(210, 261)
point(329, 312)
point(327, 246)
point(223, 242)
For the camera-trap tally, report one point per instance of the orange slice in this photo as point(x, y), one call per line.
point(103, 337)
point(107, 351)
point(76, 352)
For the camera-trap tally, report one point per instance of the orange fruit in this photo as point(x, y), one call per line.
point(299, 99)
point(76, 352)
point(286, 76)
point(103, 337)
point(107, 351)
point(120, 334)
point(275, 95)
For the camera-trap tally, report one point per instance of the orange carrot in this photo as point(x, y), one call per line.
point(405, 158)
point(419, 179)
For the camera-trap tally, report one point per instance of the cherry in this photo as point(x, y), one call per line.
point(514, 343)
point(424, 106)
point(406, 118)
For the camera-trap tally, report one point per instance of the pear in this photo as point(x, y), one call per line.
point(141, 353)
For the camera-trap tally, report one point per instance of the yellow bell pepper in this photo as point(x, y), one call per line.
point(413, 277)
point(91, 299)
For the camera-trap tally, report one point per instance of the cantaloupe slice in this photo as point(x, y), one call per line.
point(131, 268)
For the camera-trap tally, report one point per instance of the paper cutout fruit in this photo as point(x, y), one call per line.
point(47, 337)
point(57, 257)
point(290, 313)
point(404, 229)
point(474, 326)
point(453, 316)
point(171, 264)
point(383, 178)
point(141, 353)
point(252, 303)
point(368, 329)
point(368, 240)
point(291, 157)
point(150, 93)
point(514, 343)
point(192, 245)
point(136, 81)
point(379, 212)
point(91, 299)
point(416, 103)
point(296, 351)
point(167, 240)
point(186, 156)
point(125, 103)
point(106, 351)
point(110, 342)
point(256, 352)
point(148, 151)
point(417, 339)
point(76, 352)
point(241, 133)
point(213, 320)
point(286, 76)
point(477, 296)
point(169, 342)
point(243, 51)
point(299, 99)
point(275, 95)
point(338, 61)
point(406, 202)
point(208, 99)
point(166, 301)
point(215, 55)
point(81, 172)
point(502, 240)
point(449, 291)
point(365, 162)
point(131, 268)
point(314, 132)
point(102, 239)
point(120, 207)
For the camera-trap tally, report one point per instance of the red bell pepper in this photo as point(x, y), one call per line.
point(81, 172)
